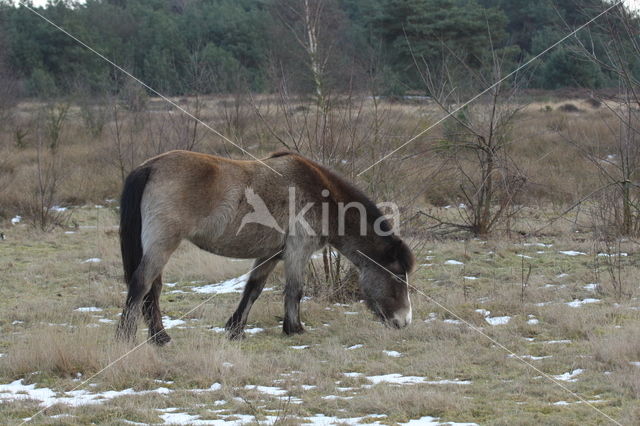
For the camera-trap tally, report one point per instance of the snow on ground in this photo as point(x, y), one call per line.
point(93, 260)
point(88, 309)
point(170, 323)
point(16, 220)
point(393, 354)
point(591, 287)
point(358, 346)
point(17, 390)
point(531, 357)
point(233, 285)
point(572, 253)
point(399, 379)
point(569, 377)
point(577, 303)
point(453, 262)
point(498, 320)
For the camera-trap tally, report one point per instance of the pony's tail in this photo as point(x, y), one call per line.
point(131, 220)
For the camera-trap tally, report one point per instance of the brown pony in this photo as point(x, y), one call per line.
point(243, 209)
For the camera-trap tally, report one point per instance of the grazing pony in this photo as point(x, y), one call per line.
point(242, 209)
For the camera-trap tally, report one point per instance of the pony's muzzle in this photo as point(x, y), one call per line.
point(401, 319)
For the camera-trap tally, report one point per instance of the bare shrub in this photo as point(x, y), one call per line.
point(476, 142)
point(48, 173)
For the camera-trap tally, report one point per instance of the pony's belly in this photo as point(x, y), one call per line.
point(242, 246)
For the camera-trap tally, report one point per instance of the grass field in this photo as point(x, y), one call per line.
point(576, 339)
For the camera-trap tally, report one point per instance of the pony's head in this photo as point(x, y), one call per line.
point(385, 284)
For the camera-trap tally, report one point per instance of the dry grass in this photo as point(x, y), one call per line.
point(53, 343)
point(48, 343)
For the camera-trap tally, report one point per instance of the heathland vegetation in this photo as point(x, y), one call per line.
point(522, 207)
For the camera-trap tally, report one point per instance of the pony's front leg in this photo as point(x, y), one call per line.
point(252, 289)
point(293, 290)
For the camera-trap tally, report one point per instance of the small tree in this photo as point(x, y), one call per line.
point(477, 137)
point(618, 204)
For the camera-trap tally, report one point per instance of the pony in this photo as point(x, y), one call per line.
point(282, 208)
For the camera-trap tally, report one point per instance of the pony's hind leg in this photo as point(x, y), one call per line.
point(252, 289)
point(152, 315)
point(141, 284)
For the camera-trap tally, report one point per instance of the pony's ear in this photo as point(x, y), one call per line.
point(400, 252)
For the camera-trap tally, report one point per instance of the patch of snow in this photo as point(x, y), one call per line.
point(269, 390)
point(358, 346)
point(93, 260)
point(453, 262)
point(531, 357)
point(170, 323)
point(17, 390)
point(351, 313)
point(470, 278)
point(254, 330)
point(171, 418)
point(233, 285)
point(58, 209)
point(432, 317)
point(218, 329)
point(333, 397)
point(562, 275)
point(498, 320)
point(572, 253)
point(613, 254)
point(433, 421)
point(532, 321)
point(577, 303)
point(106, 320)
point(352, 374)
point(299, 347)
point(399, 379)
point(393, 354)
point(556, 342)
point(452, 321)
point(635, 363)
point(88, 309)
point(524, 256)
point(483, 312)
point(569, 377)
point(16, 220)
point(591, 287)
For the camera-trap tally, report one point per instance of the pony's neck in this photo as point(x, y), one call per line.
point(361, 250)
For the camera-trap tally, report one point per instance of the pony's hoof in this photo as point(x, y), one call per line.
point(160, 339)
point(290, 329)
point(235, 330)
point(235, 334)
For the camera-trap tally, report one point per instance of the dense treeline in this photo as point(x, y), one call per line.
point(207, 46)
